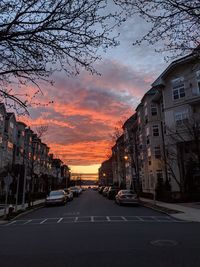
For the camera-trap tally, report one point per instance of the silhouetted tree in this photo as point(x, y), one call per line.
point(38, 37)
point(174, 23)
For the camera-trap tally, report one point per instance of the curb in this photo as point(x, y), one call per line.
point(27, 212)
point(156, 208)
point(23, 213)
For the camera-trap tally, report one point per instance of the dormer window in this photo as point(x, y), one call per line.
point(178, 88)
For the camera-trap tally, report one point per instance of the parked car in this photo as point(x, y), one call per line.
point(101, 188)
point(75, 191)
point(69, 194)
point(112, 192)
point(95, 188)
point(126, 197)
point(105, 191)
point(56, 197)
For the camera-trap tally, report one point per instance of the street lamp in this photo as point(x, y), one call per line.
point(126, 157)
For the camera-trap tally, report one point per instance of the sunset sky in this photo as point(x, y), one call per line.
point(87, 107)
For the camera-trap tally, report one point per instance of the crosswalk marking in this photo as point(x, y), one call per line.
point(27, 222)
point(59, 220)
point(123, 218)
point(94, 219)
point(43, 221)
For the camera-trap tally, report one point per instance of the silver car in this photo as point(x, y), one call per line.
point(56, 197)
point(126, 197)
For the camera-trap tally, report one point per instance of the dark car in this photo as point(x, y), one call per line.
point(112, 192)
point(126, 197)
point(105, 191)
point(75, 190)
point(101, 188)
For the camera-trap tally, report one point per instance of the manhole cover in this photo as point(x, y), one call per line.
point(164, 243)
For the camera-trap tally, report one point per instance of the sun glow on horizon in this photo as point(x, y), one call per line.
point(93, 169)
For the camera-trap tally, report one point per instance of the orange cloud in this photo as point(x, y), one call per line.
point(85, 111)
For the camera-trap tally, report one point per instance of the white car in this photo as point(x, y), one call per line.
point(56, 197)
point(126, 197)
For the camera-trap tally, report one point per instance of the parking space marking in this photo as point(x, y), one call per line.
point(123, 218)
point(92, 218)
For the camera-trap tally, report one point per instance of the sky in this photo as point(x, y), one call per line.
point(87, 107)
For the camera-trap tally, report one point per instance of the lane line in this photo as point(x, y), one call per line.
point(43, 221)
point(59, 220)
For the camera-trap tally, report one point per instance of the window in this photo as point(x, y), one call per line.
point(198, 81)
point(154, 110)
point(181, 117)
point(157, 152)
point(155, 130)
point(178, 88)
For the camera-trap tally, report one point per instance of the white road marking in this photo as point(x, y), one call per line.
point(76, 219)
point(123, 218)
point(59, 220)
point(108, 218)
point(43, 221)
point(92, 218)
point(139, 218)
point(27, 222)
point(10, 223)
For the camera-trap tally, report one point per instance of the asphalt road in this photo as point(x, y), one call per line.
point(93, 231)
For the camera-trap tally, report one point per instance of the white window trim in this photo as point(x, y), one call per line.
point(182, 115)
point(177, 82)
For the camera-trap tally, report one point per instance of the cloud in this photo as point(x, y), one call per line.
point(86, 109)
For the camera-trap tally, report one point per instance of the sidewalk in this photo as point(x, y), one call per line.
point(19, 207)
point(183, 211)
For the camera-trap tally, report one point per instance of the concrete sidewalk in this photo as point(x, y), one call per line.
point(183, 211)
point(19, 207)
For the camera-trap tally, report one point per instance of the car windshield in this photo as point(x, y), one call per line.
point(56, 193)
